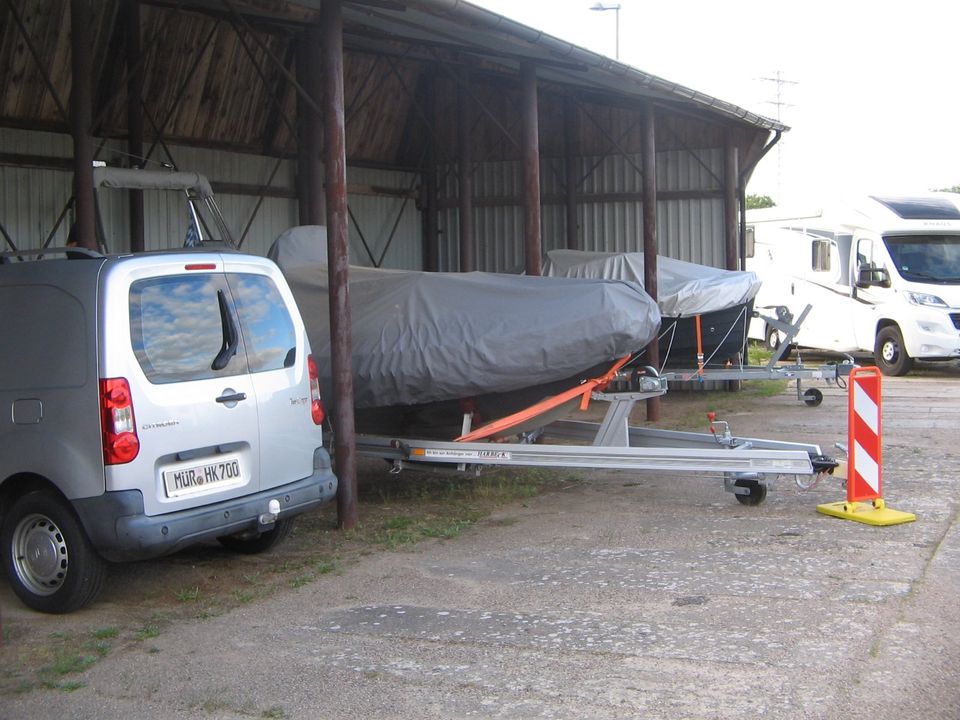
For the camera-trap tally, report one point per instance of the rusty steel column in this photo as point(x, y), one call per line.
point(335, 174)
point(572, 176)
point(531, 167)
point(730, 210)
point(465, 174)
point(731, 214)
point(81, 118)
point(135, 120)
point(310, 76)
point(430, 192)
point(649, 158)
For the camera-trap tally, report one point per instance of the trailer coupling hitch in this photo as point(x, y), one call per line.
point(823, 464)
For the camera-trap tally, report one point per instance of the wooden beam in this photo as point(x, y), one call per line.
point(81, 117)
point(465, 173)
point(531, 169)
point(650, 246)
point(335, 173)
point(134, 117)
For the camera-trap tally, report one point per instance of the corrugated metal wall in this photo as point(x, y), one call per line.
point(687, 229)
point(32, 199)
point(375, 217)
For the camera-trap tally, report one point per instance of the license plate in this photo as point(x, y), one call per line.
point(189, 479)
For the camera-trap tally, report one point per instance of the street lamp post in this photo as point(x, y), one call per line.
point(616, 9)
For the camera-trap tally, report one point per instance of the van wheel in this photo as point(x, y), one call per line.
point(891, 356)
point(251, 543)
point(47, 556)
point(773, 342)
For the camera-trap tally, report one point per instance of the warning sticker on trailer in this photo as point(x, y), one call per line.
point(464, 454)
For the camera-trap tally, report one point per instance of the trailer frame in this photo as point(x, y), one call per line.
point(746, 464)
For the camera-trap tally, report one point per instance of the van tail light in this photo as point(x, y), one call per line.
point(117, 424)
point(316, 404)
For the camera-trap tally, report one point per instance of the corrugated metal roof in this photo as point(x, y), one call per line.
point(507, 42)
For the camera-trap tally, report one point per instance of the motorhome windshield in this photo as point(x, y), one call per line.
point(926, 258)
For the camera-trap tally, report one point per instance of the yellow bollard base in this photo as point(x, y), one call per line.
point(875, 513)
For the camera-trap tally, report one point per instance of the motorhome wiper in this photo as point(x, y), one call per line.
point(231, 339)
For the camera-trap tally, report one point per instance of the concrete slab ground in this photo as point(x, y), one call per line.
point(624, 596)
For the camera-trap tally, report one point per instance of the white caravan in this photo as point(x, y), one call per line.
point(881, 275)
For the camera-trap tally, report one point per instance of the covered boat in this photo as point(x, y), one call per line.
point(422, 337)
point(723, 300)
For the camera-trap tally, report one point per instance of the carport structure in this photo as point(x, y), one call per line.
point(504, 141)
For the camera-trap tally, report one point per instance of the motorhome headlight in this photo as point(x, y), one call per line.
point(925, 299)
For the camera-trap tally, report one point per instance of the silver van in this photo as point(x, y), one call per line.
point(148, 402)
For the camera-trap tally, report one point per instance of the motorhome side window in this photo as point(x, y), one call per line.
point(821, 255)
point(184, 328)
point(265, 323)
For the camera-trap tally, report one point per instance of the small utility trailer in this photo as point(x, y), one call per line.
point(747, 464)
point(835, 373)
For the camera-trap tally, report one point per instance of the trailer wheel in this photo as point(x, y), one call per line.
point(891, 356)
point(812, 397)
point(756, 495)
point(51, 565)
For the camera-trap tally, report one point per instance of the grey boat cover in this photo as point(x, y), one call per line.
point(683, 288)
point(421, 337)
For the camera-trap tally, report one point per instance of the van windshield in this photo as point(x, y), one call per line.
point(926, 258)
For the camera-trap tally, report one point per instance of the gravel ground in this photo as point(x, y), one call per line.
point(612, 595)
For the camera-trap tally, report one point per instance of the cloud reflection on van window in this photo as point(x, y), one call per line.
point(267, 328)
point(176, 328)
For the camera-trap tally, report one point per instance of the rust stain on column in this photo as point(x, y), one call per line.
point(531, 167)
point(649, 156)
point(730, 211)
point(572, 174)
point(465, 175)
point(135, 119)
point(81, 118)
point(335, 173)
point(310, 136)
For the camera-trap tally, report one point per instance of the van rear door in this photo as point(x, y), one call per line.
point(180, 346)
point(277, 348)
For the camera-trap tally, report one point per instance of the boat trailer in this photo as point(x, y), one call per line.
point(746, 464)
point(835, 372)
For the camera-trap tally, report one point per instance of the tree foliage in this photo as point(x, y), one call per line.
point(954, 189)
point(755, 202)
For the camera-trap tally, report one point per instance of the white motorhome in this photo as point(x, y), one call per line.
point(881, 276)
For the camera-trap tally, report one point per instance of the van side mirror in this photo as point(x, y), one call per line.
point(869, 275)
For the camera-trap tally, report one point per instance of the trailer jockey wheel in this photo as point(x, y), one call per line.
point(812, 397)
point(756, 495)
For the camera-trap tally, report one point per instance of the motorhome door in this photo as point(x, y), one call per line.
point(871, 278)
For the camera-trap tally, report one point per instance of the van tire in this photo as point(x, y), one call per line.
point(773, 342)
point(51, 565)
point(251, 543)
point(890, 354)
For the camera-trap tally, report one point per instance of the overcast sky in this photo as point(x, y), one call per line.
point(869, 88)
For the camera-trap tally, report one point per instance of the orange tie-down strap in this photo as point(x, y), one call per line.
point(583, 390)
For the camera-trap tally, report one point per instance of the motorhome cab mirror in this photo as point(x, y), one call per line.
point(870, 276)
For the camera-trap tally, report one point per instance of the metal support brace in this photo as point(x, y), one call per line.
point(615, 429)
point(784, 323)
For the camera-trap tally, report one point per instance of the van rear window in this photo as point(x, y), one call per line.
point(267, 328)
point(178, 330)
point(200, 326)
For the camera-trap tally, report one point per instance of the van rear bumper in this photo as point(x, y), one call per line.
point(120, 531)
